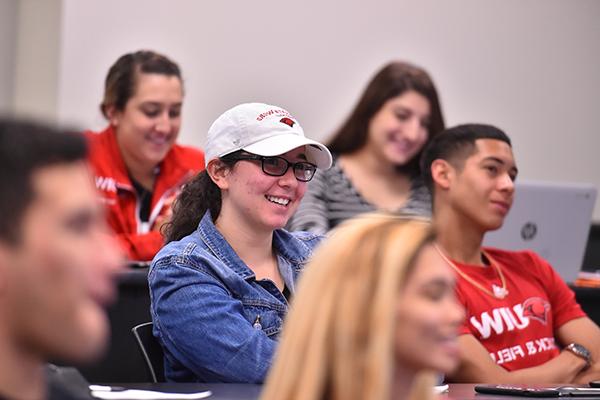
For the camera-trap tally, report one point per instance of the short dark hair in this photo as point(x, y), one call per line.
point(25, 148)
point(392, 80)
point(455, 145)
point(121, 79)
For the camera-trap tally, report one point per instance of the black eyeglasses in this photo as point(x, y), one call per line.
point(278, 166)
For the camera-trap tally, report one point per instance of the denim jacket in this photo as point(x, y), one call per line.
point(214, 320)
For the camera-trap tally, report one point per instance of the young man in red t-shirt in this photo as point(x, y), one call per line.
point(522, 323)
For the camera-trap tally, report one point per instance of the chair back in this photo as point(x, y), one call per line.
point(151, 351)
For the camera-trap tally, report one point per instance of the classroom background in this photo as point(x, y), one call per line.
point(527, 66)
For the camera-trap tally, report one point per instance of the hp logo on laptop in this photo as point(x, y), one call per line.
point(528, 231)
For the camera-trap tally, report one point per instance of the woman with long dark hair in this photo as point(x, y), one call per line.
point(376, 152)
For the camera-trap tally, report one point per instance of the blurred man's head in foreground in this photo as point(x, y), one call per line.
point(57, 260)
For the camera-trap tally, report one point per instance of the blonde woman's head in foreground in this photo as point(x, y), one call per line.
point(374, 316)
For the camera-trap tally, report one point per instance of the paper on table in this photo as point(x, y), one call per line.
point(135, 394)
point(441, 388)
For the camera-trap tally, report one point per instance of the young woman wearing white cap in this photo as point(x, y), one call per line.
point(221, 285)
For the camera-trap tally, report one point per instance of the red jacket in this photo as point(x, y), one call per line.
point(117, 192)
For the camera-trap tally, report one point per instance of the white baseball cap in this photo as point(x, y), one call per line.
point(264, 130)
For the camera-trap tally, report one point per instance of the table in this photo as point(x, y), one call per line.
point(231, 391)
point(465, 391)
point(220, 391)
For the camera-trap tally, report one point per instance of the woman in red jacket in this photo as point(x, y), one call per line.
point(138, 167)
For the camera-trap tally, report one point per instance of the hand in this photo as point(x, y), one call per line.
point(589, 374)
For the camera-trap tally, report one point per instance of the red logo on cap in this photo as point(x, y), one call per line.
point(287, 121)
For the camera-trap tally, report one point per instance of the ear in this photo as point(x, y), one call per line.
point(219, 173)
point(4, 264)
point(442, 173)
point(114, 115)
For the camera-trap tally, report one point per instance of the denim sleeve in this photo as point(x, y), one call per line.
point(202, 325)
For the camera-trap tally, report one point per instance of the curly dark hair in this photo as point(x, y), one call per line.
point(197, 197)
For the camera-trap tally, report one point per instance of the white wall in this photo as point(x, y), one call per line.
point(37, 57)
point(528, 66)
point(8, 26)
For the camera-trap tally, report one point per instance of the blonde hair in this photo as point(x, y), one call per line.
point(338, 339)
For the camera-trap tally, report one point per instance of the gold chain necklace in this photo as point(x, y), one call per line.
point(498, 292)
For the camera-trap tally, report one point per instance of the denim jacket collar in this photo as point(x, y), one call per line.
point(292, 251)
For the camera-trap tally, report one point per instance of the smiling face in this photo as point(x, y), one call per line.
point(428, 317)
point(261, 201)
point(60, 274)
point(148, 126)
point(398, 131)
point(481, 191)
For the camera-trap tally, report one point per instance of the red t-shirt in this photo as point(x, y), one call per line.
point(518, 331)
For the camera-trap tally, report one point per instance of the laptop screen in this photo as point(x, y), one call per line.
point(553, 219)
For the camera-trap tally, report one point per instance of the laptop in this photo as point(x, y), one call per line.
point(553, 219)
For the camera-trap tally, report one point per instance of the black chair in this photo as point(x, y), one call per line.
point(122, 362)
point(151, 351)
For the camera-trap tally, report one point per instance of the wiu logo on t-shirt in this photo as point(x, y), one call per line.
point(518, 317)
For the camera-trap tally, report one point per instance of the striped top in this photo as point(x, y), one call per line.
point(331, 199)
